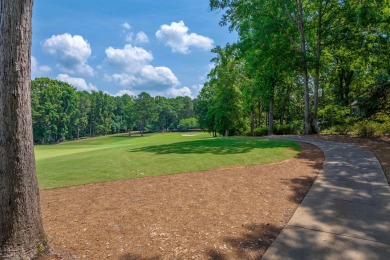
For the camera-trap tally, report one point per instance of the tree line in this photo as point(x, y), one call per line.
point(302, 65)
point(60, 112)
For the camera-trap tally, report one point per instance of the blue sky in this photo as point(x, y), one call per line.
point(127, 46)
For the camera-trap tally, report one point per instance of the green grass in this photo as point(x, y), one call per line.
point(122, 157)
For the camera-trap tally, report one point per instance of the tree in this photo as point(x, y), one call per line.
point(22, 235)
point(225, 77)
point(84, 106)
point(129, 115)
point(54, 110)
point(146, 110)
point(205, 109)
point(167, 115)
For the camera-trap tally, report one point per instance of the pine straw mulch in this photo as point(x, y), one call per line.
point(232, 213)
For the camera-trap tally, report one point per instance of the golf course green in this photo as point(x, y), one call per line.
point(121, 157)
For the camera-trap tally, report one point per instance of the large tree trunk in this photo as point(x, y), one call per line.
point(317, 68)
point(271, 117)
point(252, 122)
point(21, 231)
point(260, 112)
point(301, 28)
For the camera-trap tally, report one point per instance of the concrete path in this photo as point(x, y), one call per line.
point(346, 213)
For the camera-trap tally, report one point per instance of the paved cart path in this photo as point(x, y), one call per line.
point(346, 213)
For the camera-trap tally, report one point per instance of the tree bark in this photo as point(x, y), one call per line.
point(317, 68)
point(260, 112)
point(301, 29)
point(252, 122)
point(21, 231)
point(271, 117)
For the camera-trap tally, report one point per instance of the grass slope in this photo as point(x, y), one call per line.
point(123, 157)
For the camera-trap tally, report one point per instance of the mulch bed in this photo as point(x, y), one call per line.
point(232, 213)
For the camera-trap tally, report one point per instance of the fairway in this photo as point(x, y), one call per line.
point(120, 157)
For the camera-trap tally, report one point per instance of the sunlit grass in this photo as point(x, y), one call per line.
point(122, 157)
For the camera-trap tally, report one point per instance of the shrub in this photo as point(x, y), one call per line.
point(261, 131)
point(288, 129)
point(384, 128)
point(342, 129)
point(366, 128)
point(188, 123)
point(332, 115)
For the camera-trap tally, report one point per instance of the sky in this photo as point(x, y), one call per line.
point(127, 46)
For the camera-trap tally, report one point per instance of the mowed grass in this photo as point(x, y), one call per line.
point(122, 157)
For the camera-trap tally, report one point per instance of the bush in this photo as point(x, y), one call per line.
point(288, 129)
point(332, 115)
point(385, 128)
point(261, 131)
point(188, 123)
point(343, 129)
point(366, 128)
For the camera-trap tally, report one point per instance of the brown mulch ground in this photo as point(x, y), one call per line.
point(379, 146)
point(232, 213)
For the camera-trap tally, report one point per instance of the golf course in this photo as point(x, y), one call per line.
point(120, 157)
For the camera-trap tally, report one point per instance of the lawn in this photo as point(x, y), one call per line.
point(122, 157)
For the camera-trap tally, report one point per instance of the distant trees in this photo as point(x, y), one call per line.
point(60, 112)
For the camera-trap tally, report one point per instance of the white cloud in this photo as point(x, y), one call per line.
point(37, 70)
point(126, 26)
point(131, 59)
point(141, 37)
point(135, 70)
point(162, 75)
point(177, 37)
point(79, 83)
point(71, 52)
point(174, 92)
point(123, 79)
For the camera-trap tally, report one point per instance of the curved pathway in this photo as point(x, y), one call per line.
point(346, 213)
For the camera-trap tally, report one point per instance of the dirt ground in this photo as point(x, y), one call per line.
point(232, 213)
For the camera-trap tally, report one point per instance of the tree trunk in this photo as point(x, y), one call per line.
point(21, 231)
point(317, 69)
point(142, 128)
point(271, 117)
point(252, 122)
point(284, 106)
point(301, 28)
point(260, 112)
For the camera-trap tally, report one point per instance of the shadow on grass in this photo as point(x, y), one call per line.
point(220, 146)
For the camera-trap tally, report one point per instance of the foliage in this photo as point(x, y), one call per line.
point(288, 129)
point(384, 128)
point(333, 114)
point(309, 60)
point(366, 128)
point(188, 123)
point(60, 112)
